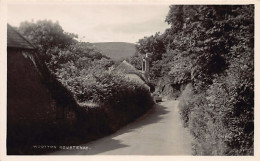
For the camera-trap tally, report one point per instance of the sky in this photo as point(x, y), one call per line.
point(96, 22)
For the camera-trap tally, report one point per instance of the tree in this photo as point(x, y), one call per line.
point(136, 61)
point(212, 48)
point(153, 44)
point(47, 35)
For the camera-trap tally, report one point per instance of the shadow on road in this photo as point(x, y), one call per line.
point(109, 142)
point(152, 116)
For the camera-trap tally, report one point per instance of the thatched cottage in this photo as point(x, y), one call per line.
point(132, 73)
point(35, 99)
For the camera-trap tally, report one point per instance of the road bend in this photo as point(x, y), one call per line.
point(159, 132)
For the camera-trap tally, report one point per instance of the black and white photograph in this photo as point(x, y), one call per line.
point(130, 79)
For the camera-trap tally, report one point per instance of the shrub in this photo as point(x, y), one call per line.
point(185, 104)
point(221, 119)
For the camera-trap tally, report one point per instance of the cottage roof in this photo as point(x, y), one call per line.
point(129, 70)
point(125, 67)
point(16, 40)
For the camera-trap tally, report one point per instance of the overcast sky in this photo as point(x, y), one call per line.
point(97, 23)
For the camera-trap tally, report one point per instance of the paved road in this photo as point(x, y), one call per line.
point(159, 132)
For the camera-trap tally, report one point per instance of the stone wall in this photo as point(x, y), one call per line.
point(167, 89)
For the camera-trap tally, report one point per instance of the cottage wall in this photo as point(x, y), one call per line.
point(27, 98)
point(40, 110)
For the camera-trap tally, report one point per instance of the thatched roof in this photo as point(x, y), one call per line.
point(126, 68)
point(130, 70)
point(31, 85)
point(16, 40)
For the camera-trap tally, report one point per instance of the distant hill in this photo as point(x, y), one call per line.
point(116, 50)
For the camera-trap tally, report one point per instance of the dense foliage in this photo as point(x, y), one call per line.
point(104, 100)
point(211, 47)
point(71, 61)
point(78, 65)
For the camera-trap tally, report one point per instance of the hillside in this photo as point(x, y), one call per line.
point(116, 50)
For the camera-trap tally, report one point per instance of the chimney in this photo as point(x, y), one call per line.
point(146, 70)
point(145, 65)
